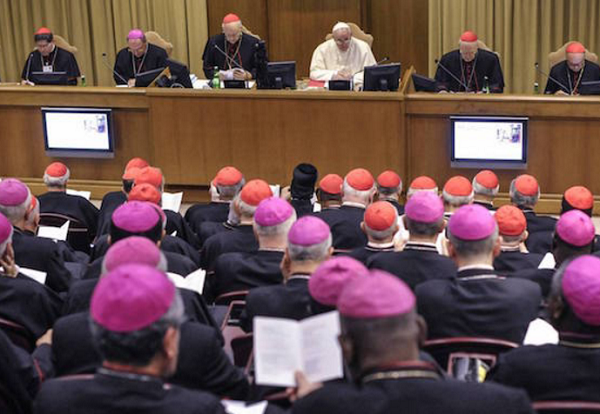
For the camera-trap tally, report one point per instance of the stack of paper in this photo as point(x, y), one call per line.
point(172, 201)
point(84, 194)
point(54, 233)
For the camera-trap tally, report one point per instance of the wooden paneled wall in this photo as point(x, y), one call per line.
point(294, 28)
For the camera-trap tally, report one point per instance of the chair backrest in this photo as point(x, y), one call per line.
point(447, 351)
point(227, 298)
point(63, 44)
point(358, 33)
point(247, 31)
point(78, 235)
point(158, 40)
point(561, 54)
point(563, 407)
point(482, 45)
point(18, 334)
point(242, 347)
point(8, 403)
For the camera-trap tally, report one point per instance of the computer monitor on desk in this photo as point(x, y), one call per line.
point(49, 78)
point(382, 77)
point(281, 75)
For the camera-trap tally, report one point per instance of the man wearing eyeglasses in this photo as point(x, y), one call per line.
point(138, 57)
point(48, 59)
point(342, 57)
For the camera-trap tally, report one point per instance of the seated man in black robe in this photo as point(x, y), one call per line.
point(477, 302)
point(138, 57)
point(566, 371)
point(57, 200)
point(380, 225)
point(48, 58)
point(569, 76)
point(380, 336)
point(389, 188)
point(232, 52)
point(470, 69)
point(485, 188)
point(136, 315)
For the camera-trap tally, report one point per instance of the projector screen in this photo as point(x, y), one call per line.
point(488, 142)
point(78, 132)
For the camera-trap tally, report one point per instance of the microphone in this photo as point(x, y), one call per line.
point(229, 59)
point(461, 83)
point(537, 68)
point(385, 59)
point(28, 66)
point(104, 60)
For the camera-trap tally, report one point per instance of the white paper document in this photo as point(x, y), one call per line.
point(284, 346)
point(172, 201)
point(276, 190)
point(84, 194)
point(240, 407)
point(36, 275)
point(55, 233)
point(548, 262)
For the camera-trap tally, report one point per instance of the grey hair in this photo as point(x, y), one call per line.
point(227, 192)
point(472, 248)
point(276, 230)
point(138, 347)
point(424, 229)
point(382, 234)
point(16, 213)
point(246, 209)
point(57, 181)
point(479, 189)
point(388, 191)
point(364, 196)
point(457, 201)
point(316, 252)
point(34, 213)
point(412, 191)
point(521, 200)
point(161, 265)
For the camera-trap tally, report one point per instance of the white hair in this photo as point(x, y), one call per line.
point(457, 201)
point(315, 253)
point(412, 191)
point(246, 210)
point(16, 213)
point(51, 181)
point(341, 26)
point(382, 234)
point(363, 195)
point(276, 230)
point(33, 214)
point(480, 189)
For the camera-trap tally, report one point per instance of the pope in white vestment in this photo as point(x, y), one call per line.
point(341, 57)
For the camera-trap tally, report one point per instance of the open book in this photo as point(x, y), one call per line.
point(284, 346)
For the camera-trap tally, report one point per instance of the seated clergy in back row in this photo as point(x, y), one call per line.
point(568, 76)
point(466, 68)
point(343, 57)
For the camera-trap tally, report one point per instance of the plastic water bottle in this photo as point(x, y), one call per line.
point(536, 88)
point(215, 83)
point(486, 85)
point(83, 81)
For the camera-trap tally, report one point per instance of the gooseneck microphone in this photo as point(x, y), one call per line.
point(28, 66)
point(537, 68)
point(105, 61)
point(385, 59)
point(461, 83)
point(229, 58)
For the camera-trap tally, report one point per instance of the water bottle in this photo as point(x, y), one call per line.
point(215, 83)
point(486, 85)
point(83, 81)
point(536, 88)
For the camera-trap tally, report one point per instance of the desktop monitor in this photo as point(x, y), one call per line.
point(144, 79)
point(488, 142)
point(281, 75)
point(382, 77)
point(49, 78)
point(424, 84)
point(180, 74)
point(78, 132)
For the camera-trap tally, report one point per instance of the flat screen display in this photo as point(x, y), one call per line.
point(488, 142)
point(78, 132)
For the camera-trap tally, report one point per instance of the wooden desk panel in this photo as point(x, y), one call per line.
point(266, 133)
point(563, 137)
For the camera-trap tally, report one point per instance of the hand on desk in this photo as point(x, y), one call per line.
point(342, 75)
point(131, 83)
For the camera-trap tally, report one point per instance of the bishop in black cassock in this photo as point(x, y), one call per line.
point(571, 75)
point(471, 66)
point(138, 57)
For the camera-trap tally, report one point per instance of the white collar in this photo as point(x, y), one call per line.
point(381, 245)
point(476, 266)
point(353, 204)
